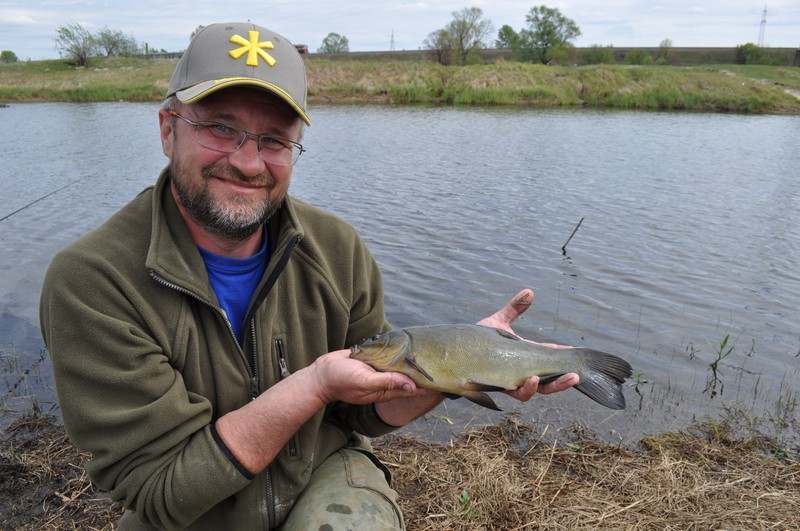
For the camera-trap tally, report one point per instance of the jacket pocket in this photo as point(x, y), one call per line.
point(292, 448)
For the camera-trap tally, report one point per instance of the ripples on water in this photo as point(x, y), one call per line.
point(691, 231)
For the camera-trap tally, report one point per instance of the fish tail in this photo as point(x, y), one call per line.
point(602, 377)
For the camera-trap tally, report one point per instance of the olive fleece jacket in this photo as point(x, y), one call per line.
point(145, 360)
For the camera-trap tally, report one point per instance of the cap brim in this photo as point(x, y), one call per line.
point(201, 90)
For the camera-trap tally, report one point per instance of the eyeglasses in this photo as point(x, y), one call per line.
point(226, 139)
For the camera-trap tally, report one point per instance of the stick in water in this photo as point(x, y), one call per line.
point(564, 247)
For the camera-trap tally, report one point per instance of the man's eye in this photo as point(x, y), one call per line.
point(271, 143)
point(222, 131)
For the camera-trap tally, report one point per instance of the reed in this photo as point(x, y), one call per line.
point(715, 88)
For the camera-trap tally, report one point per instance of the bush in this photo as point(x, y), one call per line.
point(638, 57)
point(752, 54)
point(596, 54)
point(7, 56)
point(563, 54)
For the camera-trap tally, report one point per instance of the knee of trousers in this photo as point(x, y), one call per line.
point(348, 491)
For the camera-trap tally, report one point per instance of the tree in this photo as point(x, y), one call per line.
point(334, 43)
point(547, 29)
point(115, 42)
point(468, 31)
point(7, 56)
point(507, 38)
point(75, 43)
point(663, 51)
point(440, 43)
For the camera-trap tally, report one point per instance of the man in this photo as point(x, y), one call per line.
point(188, 332)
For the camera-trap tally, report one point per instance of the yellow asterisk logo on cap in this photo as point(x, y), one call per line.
point(253, 49)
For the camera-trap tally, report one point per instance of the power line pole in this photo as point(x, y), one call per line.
point(391, 41)
point(763, 27)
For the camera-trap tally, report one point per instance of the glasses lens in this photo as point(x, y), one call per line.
point(279, 151)
point(218, 137)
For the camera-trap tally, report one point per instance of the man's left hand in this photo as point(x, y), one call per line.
point(502, 319)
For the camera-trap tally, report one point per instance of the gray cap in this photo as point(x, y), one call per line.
point(240, 54)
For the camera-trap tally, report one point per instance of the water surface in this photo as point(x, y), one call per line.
point(691, 235)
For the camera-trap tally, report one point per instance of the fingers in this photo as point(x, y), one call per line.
point(531, 386)
point(527, 390)
point(516, 306)
point(564, 382)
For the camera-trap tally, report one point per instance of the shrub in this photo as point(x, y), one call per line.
point(596, 54)
point(638, 57)
point(752, 54)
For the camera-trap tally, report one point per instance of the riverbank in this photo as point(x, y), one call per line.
point(712, 88)
point(508, 476)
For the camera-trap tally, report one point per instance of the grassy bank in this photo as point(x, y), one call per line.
point(722, 88)
point(496, 477)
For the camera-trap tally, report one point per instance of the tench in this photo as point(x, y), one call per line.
point(467, 360)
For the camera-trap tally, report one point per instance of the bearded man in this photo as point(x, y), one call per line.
point(199, 335)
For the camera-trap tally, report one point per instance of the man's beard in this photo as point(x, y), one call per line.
point(228, 223)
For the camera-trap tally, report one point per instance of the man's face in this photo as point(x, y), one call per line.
point(229, 194)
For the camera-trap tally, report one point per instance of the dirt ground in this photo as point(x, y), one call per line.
point(495, 477)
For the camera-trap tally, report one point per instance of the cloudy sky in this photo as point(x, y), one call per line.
point(27, 26)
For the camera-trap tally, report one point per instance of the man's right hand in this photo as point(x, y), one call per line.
point(341, 378)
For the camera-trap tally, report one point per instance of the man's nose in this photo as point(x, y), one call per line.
point(247, 159)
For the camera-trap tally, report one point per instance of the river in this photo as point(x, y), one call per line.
point(691, 235)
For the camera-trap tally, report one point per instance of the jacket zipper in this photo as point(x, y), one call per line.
point(252, 363)
point(283, 372)
point(155, 276)
point(269, 496)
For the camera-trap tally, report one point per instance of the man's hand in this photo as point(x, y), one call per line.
point(341, 378)
point(502, 319)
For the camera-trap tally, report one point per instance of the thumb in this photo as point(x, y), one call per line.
point(393, 381)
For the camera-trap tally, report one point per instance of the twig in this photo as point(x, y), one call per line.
point(564, 247)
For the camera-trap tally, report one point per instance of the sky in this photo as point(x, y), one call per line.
point(27, 27)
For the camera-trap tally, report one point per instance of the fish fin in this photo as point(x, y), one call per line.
point(411, 359)
point(472, 385)
point(547, 379)
point(481, 399)
point(602, 378)
point(508, 335)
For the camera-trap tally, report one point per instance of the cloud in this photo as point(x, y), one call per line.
point(369, 23)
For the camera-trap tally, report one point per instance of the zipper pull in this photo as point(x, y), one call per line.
point(284, 368)
point(253, 388)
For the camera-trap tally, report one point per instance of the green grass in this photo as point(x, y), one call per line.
point(716, 88)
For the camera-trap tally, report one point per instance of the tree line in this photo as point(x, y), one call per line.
point(546, 38)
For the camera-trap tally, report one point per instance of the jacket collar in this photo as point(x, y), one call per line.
point(173, 255)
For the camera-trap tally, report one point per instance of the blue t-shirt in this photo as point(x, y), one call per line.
point(234, 280)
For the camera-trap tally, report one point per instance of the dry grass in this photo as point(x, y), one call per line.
point(494, 477)
point(43, 484)
point(505, 477)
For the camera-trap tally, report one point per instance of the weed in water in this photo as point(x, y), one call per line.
point(723, 351)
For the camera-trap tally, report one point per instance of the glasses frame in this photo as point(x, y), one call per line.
point(243, 136)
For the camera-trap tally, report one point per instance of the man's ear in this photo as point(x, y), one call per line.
point(166, 125)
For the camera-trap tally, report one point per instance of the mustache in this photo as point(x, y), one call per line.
point(232, 174)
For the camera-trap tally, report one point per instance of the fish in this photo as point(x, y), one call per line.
point(471, 360)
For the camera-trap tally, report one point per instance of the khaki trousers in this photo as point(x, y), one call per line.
point(349, 491)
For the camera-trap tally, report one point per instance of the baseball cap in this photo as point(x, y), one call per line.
point(240, 54)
